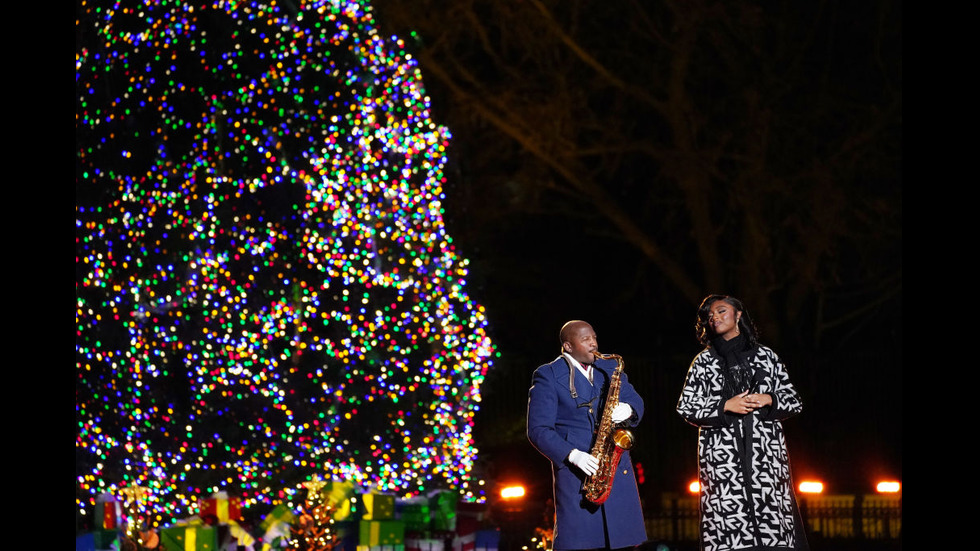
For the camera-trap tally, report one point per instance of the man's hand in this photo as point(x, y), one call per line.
point(588, 464)
point(621, 412)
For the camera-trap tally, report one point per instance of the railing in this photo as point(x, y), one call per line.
point(838, 517)
point(867, 517)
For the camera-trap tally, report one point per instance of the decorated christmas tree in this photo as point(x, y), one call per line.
point(313, 529)
point(264, 286)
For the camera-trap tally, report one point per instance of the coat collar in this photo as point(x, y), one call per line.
point(606, 366)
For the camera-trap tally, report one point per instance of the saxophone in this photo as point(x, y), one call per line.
point(610, 441)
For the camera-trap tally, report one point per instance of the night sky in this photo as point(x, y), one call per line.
point(788, 126)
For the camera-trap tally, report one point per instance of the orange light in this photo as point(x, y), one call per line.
point(811, 487)
point(694, 487)
point(889, 487)
point(512, 492)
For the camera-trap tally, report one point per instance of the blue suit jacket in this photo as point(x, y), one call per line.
point(557, 423)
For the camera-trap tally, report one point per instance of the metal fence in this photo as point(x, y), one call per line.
point(831, 517)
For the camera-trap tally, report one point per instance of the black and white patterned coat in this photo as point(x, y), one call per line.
point(747, 497)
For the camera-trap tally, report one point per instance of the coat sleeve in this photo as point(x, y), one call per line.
point(702, 402)
point(786, 401)
point(542, 416)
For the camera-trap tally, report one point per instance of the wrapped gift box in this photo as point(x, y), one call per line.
point(373, 506)
point(104, 539)
point(221, 507)
point(381, 532)
point(279, 515)
point(471, 509)
point(414, 513)
point(464, 539)
point(96, 540)
point(276, 537)
point(108, 513)
point(85, 542)
point(190, 538)
point(338, 495)
point(235, 537)
point(487, 540)
point(425, 544)
point(442, 504)
point(464, 542)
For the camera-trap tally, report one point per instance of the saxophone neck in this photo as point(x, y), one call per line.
point(617, 357)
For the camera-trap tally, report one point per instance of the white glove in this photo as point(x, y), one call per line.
point(588, 464)
point(621, 412)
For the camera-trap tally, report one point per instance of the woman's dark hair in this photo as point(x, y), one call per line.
point(745, 325)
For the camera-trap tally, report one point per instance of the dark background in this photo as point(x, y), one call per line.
point(616, 162)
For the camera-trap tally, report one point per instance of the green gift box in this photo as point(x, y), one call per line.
point(190, 538)
point(415, 515)
point(105, 538)
point(376, 506)
point(381, 532)
point(443, 506)
point(97, 539)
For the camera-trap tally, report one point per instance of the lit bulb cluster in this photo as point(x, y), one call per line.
point(264, 286)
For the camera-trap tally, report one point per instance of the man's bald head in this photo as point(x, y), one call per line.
point(571, 328)
point(578, 340)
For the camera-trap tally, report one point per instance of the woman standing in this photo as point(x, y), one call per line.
point(737, 392)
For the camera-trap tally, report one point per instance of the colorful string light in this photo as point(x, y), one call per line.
point(264, 284)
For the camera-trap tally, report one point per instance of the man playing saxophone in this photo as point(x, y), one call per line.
point(566, 406)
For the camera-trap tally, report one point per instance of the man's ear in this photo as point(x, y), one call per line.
point(566, 346)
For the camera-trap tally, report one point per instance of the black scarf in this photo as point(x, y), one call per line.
point(735, 356)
